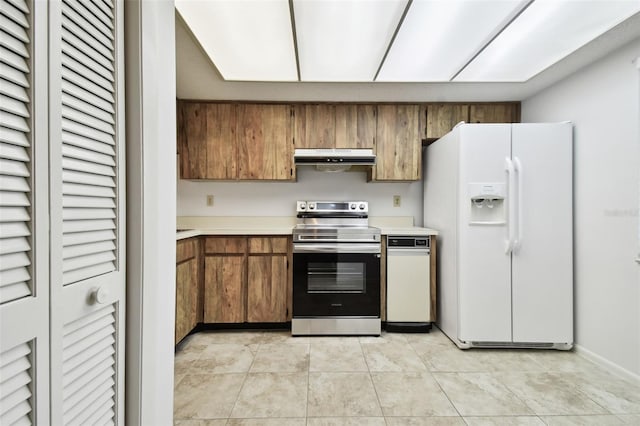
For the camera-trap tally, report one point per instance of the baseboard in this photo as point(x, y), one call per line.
point(603, 362)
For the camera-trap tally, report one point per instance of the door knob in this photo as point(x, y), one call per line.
point(101, 295)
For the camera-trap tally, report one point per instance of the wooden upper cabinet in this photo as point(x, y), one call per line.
point(265, 146)
point(209, 145)
point(315, 126)
point(335, 126)
point(398, 143)
point(355, 126)
point(441, 118)
point(495, 113)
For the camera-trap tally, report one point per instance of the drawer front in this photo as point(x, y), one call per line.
point(268, 245)
point(185, 250)
point(224, 245)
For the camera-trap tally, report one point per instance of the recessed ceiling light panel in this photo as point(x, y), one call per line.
point(438, 38)
point(546, 32)
point(344, 40)
point(248, 40)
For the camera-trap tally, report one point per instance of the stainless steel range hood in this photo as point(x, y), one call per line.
point(334, 159)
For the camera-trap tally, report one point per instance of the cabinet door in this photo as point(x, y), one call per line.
point(495, 113)
point(267, 288)
point(223, 288)
point(265, 143)
point(355, 126)
point(315, 126)
point(209, 141)
point(398, 143)
point(442, 117)
point(186, 298)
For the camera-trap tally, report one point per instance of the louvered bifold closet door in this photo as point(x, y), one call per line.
point(24, 286)
point(87, 211)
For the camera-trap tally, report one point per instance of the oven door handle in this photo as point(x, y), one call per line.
point(336, 248)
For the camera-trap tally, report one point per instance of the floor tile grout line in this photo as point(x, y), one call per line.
point(246, 375)
point(447, 396)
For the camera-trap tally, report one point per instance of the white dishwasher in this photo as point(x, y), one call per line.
point(408, 284)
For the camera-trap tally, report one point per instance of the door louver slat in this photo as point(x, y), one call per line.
point(74, 72)
point(74, 22)
point(87, 191)
point(20, 4)
point(13, 28)
point(16, 15)
point(88, 374)
point(87, 108)
point(87, 96)
point(13, 106)
point(15, 137)
point(16, 379)
point(78, 386)
point(70, 151)
point(88, 237)
point(13, 90)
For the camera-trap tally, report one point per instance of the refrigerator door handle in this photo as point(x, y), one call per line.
point(511, 207)
point(517, 243)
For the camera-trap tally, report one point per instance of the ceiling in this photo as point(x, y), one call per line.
point(402, 75)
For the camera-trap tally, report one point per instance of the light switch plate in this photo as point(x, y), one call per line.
point(396, 201)
point(210, 200)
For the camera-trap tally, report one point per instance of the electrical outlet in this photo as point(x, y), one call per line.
point(396, 201)
point(210, 200)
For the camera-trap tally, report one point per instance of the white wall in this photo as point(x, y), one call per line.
point(279, 198)
point(602, 101)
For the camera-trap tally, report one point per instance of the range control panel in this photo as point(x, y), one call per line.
point(408, 242)
point(332, 206)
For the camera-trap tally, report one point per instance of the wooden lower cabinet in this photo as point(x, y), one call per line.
point(267, 288)
point(224, 277)
point(187, 287)
point(247, 279)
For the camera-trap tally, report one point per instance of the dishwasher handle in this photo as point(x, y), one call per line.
point(412, 251)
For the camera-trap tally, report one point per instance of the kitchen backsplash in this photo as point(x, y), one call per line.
point(278, 198)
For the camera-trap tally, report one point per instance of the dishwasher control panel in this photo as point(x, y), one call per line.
point(408, 242)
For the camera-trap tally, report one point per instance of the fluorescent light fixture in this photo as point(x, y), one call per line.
point(438, 38)
point(344, 40)
point(247, 40)
point(547, 31)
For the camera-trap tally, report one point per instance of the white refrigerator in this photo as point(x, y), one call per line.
point(501, 196)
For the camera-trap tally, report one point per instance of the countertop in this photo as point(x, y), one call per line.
point(193, 226)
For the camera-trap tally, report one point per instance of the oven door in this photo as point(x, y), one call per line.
point(336, 284)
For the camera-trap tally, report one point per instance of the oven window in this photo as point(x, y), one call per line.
point(336, 277)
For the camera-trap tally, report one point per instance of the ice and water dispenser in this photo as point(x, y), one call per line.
point(487, 203)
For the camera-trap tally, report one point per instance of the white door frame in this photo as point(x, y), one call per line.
point(151, 210)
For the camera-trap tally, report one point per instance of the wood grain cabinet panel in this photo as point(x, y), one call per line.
point(209, 144)
point(187, 287)
point(265, 145)
point(315, 126)
point(398, 143)
point(267, 288)
point(224, 289)
point(355, 126)
point(441, 118)
point(247, 279)
point(225, 245)
point(495, 113)
point(268, 245)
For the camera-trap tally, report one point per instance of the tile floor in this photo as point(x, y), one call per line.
point(270, 378)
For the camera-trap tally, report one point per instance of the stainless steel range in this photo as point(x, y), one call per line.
point(336, 270)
